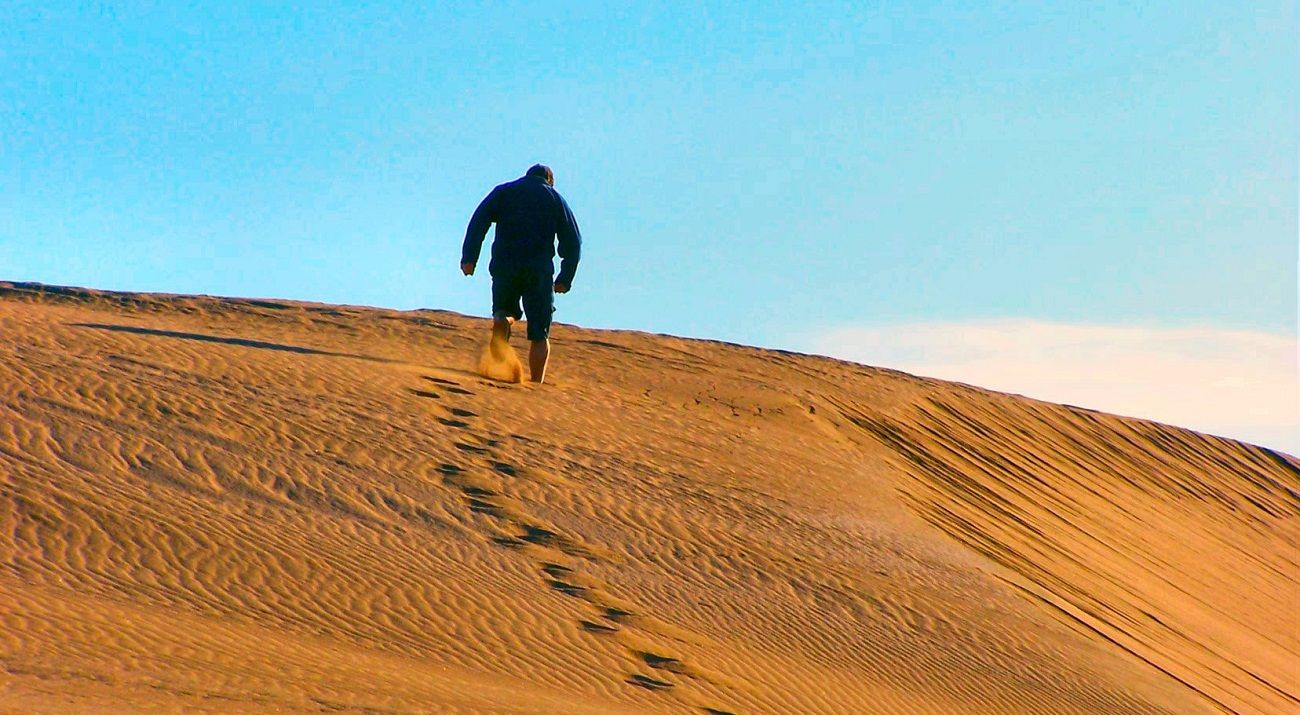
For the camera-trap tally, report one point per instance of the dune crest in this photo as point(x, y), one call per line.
point(232, 505)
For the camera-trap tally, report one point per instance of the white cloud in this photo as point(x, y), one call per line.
point(1235, 383)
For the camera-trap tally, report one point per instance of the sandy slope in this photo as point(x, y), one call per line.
point(258, 506)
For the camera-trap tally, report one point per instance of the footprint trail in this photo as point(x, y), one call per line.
point(655, 668)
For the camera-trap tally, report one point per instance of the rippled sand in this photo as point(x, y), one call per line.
point(220, 505)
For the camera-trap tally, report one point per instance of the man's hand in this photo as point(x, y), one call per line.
point(467, 268)
point(561, 287)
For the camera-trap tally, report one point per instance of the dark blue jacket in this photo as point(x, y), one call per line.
point(529, 215)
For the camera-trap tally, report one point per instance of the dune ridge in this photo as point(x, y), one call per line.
point(233, 505)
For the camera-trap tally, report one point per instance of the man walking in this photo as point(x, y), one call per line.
point(530, 216)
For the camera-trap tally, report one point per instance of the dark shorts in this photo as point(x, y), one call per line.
point(535, 288)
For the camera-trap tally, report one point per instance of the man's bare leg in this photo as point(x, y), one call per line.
point(538, 353)
point(500, 337)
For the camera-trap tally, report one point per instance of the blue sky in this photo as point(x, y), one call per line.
point(766, 173)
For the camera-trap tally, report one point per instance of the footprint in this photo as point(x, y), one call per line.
point(568, 589)
point(596, 627)
point(483, 507)
point(467, 447)
point(474, 486)
point(425, 393)
point(717, 711)
point(662, 662)
point(648, 682)
point(556, 570)
point(618, 615)
point(541, 537)
point(463, 413)
point(439, 380)
point(485, 500)
point(458, 424)
point(448, 468)
point(451, 386)
point(507, 469)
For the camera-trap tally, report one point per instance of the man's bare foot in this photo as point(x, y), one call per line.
point(498, 361)
point(500, 344)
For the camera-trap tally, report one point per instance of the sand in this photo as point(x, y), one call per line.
point(222, 505)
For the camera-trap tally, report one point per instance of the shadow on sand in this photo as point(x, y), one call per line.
point(243, 342)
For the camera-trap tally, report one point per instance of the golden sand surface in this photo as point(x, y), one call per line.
point(226, 505)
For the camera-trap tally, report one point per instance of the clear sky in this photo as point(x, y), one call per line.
point(777, 174)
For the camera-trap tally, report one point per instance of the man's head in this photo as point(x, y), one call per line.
point(542, 172)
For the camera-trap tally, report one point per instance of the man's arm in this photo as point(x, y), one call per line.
point(570, 247)
point(483, 217)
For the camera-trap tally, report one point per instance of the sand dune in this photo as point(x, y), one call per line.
point(222, 505)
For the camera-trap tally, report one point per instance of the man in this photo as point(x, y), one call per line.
point(530, 215)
